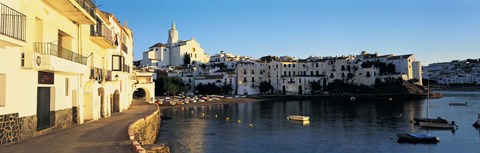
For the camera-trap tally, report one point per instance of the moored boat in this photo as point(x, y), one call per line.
point(438, 125)
point(476, 124)
point(298, 118)
point(458, 104)
point(416, 138)
point(433, 120)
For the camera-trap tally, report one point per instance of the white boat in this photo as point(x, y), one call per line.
point(173, 103)
point(437, 125)
point(298, 118)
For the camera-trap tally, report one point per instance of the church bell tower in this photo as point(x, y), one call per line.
point(172, 35)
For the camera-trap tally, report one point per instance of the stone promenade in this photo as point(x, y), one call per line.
point(105, 135)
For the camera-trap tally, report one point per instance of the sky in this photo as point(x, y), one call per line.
point(432, 30)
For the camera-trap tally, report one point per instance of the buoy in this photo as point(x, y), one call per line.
point(250, 125)
point(239, 121)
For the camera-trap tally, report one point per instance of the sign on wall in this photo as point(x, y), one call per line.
point(46, 77)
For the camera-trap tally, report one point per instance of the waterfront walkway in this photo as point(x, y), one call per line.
point(105, 135)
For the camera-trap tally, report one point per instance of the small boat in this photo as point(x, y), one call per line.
point(201, 100)
point(438, 125)
point(298, 118)
point(433, 120)
point(458, 104)
point(416, 138)
point(353, 98)
point(173, 103)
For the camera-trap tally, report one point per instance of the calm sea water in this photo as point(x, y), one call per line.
point(335, 126)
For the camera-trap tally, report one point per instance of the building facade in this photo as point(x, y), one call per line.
point(62, 62)
point(174, 51)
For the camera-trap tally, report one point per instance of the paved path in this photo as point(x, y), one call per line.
point(104, 135)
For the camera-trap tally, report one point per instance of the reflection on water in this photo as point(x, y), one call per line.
point(334, 126)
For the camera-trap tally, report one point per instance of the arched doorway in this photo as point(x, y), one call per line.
point(87, 108)
point(283, 90)
point(101, 94)
point(139, 93)
point(300, 90)
point(116, 102)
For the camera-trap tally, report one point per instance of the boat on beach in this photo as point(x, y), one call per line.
point(458, 104)
point(298, 118)
point(416, 138)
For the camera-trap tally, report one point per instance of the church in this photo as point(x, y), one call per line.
point(174, 52)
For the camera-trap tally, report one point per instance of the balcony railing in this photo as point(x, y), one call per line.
point(12, 23)
point(102, 31)
point(88, 6)
point(58, 51)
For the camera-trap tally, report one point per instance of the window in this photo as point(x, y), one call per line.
point(293, 73)
point(299, 80)
point(317, 64)
point(244, 71)
point(244, 79)
point(277, 66)
point(289, 73)
point(317, 73)
point(67, 86)
point(3, 90)
point(253, 72)
point(117, 63)
point(293, 65)
point(284, 65)
point(289, 65)
point(285, 73)
point(164, 50)
point(22, 62)
point(311, 73)
point(253, 79)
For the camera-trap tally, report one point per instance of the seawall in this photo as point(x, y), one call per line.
point(143, 134)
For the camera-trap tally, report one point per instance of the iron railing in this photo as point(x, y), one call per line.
point(101, 30)
point(12, 23)
point(55, 50)
point(88, 6)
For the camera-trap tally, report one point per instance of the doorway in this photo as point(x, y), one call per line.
point(43, 108)
point(116, 101)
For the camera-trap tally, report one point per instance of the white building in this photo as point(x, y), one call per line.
point(174, 51)
point(61, 63)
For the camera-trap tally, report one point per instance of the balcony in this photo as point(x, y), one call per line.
point(50, 57)
point(12, 27)
point(102, 35)
point(124, 48)
point(79, 11)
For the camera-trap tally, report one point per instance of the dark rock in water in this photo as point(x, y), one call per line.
point(476, 125)
point(164, 118)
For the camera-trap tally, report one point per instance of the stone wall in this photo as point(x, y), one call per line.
point(14, 128)
point(10, 129)
point(144, 131)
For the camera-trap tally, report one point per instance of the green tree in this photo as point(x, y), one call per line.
point(169, 85)
point(227, 89)
point(187, 59)
point(316, 86)
point(264, 87)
